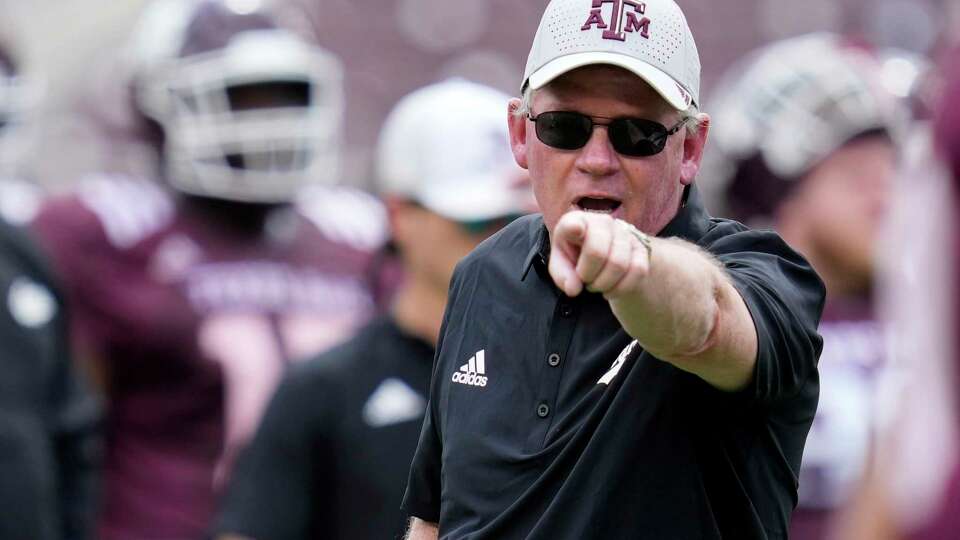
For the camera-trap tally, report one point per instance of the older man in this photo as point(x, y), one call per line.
point(594, 381)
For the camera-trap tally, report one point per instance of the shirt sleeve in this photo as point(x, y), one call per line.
point(275, 486)
point(785, 298)
point(86, 267)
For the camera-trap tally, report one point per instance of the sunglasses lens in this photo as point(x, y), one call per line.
point(637, 137)
point(630, 136)
point(564, 130)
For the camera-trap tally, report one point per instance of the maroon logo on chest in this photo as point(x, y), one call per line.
point(625, 16)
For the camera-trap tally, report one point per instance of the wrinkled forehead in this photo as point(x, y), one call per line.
point(608, 83)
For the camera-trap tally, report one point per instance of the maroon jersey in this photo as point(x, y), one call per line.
point(837, 448)
point(195, 324)
point(942, 519)
point(943, 523)
point(919, 445)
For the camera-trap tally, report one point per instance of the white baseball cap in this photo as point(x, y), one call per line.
point(650, 38)
point(447, 147)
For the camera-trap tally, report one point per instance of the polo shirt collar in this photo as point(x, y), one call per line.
point(690, 223)
point(539, 250)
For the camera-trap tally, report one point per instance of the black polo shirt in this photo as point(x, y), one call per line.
point(545, 422)
point(332, 453)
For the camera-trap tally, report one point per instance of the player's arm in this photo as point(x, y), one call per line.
point(278, 488)
point(422, 530)
point(672, 296)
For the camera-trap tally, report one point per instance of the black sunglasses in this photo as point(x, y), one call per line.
point(636, 137)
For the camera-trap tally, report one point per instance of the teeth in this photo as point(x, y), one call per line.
point(600, 206)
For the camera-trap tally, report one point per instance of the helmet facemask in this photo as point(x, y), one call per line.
point(253, 122)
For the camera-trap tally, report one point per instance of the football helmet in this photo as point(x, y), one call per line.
point(783, 109)
point(18, 97)
point(249, 112)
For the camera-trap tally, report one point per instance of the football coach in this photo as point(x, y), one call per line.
point(624, 366)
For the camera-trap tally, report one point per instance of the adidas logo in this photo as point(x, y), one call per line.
point(473, 372)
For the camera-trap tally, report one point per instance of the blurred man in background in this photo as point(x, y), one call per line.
point(804, 142)
point(191, 301)
point(913, 490)
point(49, 446)
point(331, 457)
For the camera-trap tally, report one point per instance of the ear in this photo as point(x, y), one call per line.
point(518, 132)
point(400, 214)
point(693, 146)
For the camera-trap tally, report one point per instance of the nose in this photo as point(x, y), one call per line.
point(597, 157)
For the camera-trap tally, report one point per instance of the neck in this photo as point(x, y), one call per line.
point(840, 283)
point(418, 308)
point(245, 219)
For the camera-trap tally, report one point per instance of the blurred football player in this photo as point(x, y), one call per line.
point(331, 457)
point(191, 301)
point(804, 141)
point(49, 446)
point(913, 490)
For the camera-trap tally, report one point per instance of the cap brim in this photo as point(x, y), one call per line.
point(665, 85)
point(476, 199)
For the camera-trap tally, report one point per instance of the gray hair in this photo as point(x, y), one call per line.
point(691, 117)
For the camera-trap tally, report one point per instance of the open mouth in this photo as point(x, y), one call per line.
point(602, 205)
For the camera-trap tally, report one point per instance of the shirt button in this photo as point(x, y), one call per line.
point(543, 410)
point(553, 360)
point(566, 310)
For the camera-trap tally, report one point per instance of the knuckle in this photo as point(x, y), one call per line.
point(619, 265)
point(593, 251)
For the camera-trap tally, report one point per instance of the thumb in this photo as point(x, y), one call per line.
point(566, 240)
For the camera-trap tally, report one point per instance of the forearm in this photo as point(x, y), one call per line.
point(673, 310)
point(687, 312)
point(422, 530)
point(673, 297)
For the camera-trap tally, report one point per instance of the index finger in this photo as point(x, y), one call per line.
point(566, 241)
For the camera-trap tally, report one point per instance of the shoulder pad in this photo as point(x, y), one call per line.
point(346, 215)
point(129, 209)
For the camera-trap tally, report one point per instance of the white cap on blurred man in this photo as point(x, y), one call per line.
point(446, 146)
point(650, 38)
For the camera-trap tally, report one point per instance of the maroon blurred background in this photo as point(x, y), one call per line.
point(391, 47)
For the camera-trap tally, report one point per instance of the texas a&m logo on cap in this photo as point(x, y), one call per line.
point(687, 98)
point(625, 16)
